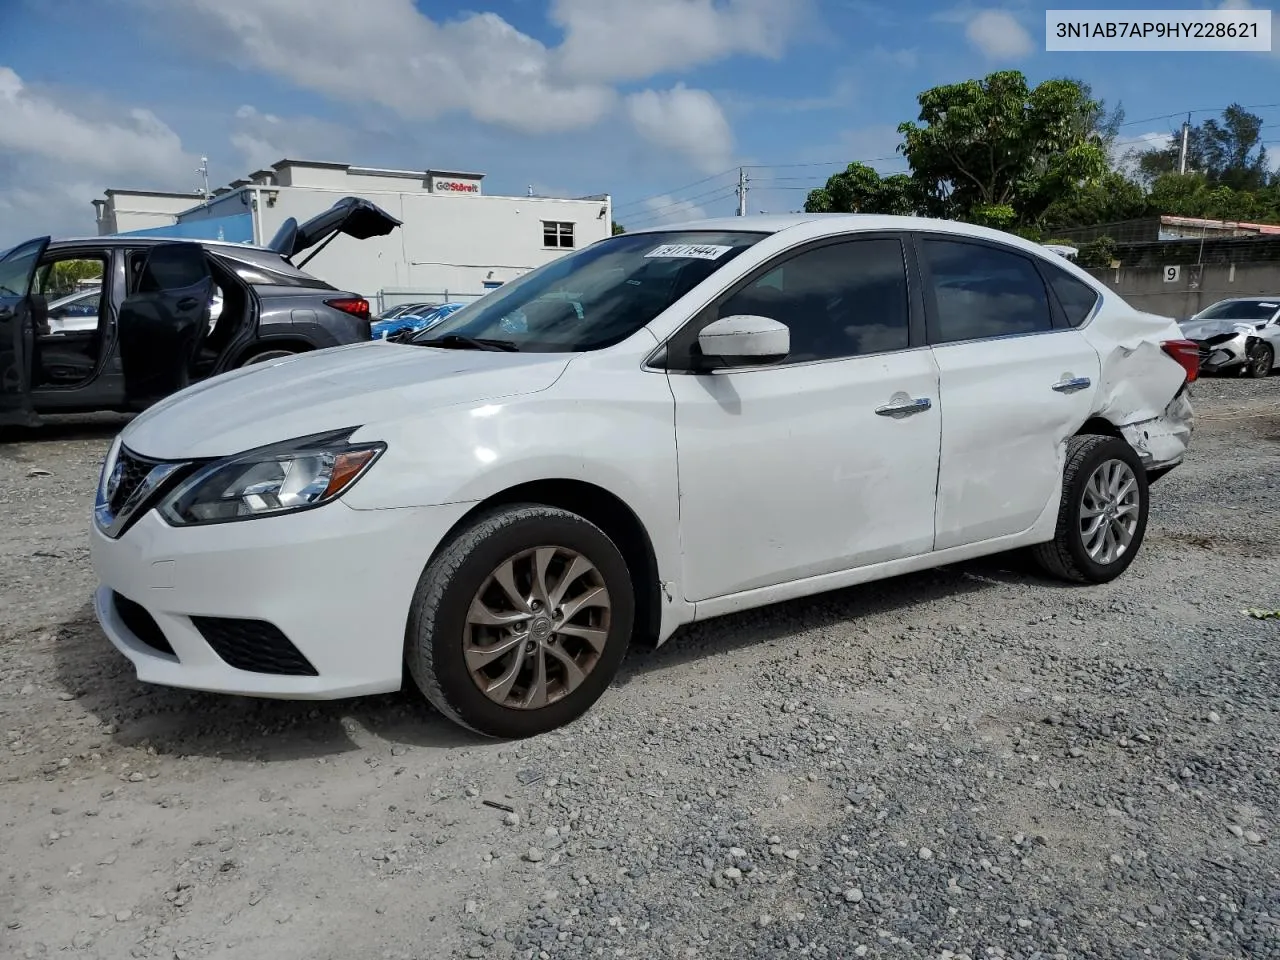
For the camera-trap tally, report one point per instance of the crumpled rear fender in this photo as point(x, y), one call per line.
point(1142, 390)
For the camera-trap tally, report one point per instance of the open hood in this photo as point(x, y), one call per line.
point(353, 216)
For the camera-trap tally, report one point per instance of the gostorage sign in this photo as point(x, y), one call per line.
point(452, 185)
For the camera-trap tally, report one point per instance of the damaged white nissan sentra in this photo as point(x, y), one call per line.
point(662, 427)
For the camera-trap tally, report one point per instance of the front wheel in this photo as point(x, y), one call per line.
point(1260, 361)
point(1103, 513)
point(520, 622)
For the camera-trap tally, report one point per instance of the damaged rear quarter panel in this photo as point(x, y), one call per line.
point(1141, 387)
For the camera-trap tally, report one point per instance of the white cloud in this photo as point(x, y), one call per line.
point(264, 138)
point(689, 122)
point(386, 52)
point(57, 158)
point(998, 36)
point(608, 40)
point(35, 125)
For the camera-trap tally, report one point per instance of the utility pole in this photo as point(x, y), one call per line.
point(203, 170)
point(742, 191)
point(1182, 149)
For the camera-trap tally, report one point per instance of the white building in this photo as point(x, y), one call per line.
point(455, 242)
point(125, 211)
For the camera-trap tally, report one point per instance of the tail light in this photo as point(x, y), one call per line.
point(1187, 353)
point(356, 306)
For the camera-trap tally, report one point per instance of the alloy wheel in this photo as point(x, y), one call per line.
point(537, 627)
point(1109, 510)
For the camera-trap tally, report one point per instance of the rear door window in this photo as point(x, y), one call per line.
point(982, 291)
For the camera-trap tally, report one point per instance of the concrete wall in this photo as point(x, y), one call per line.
point(448, 243)
point(1197, 286)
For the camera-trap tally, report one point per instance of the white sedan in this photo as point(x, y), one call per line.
point(665, 426)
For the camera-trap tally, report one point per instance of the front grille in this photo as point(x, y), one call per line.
point(141, 624)
point(254, 645)
point(133, 470)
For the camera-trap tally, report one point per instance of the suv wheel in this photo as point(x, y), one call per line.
point(520, 622)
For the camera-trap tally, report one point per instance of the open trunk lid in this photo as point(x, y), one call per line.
point(354, 216)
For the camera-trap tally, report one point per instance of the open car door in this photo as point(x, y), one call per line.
point(353, 216)
point(163, 322)
point(20, 312)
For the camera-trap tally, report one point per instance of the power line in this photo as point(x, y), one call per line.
point(661, 213)
point(671, 193)
point(1183, 113)
point(824, 163)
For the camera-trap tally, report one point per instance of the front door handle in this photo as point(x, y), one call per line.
point(905, 407)
point(1072, 385)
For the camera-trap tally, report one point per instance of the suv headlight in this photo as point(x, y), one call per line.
point(282, 478)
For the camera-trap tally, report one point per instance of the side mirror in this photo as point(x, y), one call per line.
point(744, 341)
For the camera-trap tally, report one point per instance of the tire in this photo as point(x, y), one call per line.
point(441, 630)
point(1260, 361)
point(264, 355)
point(1067, 555)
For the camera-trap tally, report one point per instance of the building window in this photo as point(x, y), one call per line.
point(558, 235)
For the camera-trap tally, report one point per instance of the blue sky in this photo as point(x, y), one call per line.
point(653, 101)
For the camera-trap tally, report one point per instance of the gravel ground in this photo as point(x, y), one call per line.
point(971, 762)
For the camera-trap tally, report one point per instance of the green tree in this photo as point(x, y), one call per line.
point(1110, 198)
point(860, 189)
point(618, 228)
point(1228, 152)
point(997, 152)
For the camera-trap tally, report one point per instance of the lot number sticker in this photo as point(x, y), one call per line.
point(696, 251)
point(1171, 274)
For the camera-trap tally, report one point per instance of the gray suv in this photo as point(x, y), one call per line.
point(169, 313)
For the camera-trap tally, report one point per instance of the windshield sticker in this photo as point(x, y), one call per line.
point(695, 251)
point(1269, 306)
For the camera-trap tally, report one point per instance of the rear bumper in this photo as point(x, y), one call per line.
point(308, 606)
point(1162, 442)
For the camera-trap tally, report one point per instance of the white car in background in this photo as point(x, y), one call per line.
point(665, 426)
point(1239, 335)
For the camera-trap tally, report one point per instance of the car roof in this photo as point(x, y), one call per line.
point(118, 240)
point(830, 224)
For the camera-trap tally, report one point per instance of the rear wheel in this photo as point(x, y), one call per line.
point(1103, 513)
point(1262, 357)
point(520, 622)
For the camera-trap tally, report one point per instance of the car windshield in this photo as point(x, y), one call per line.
point(596, 297)
point(1241, 310)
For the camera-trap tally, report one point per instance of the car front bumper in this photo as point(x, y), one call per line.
point(1224, 355)
point(311, 605)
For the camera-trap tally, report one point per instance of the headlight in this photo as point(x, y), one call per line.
point(282, 478)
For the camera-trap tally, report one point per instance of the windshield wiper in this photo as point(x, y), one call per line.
point(457, 341)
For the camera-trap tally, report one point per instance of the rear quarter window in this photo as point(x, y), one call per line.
point(1077, 298)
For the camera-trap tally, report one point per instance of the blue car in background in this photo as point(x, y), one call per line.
point(412, 322)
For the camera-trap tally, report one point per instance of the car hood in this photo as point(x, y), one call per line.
point(1194, 329)
point(354, 216)
point(329, 390)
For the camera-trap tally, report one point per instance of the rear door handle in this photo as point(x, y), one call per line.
point(904, 408)
point(1072, 385)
